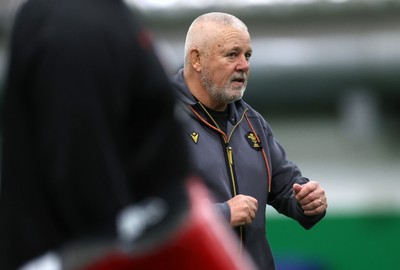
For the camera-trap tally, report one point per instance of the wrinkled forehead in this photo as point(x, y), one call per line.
point(227, 35)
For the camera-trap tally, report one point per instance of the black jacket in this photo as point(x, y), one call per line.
point(234, 163)
point(88, 125)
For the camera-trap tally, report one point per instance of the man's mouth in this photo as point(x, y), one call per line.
point(239, 80)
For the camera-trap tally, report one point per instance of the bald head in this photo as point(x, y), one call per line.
point(205, 28)
point(217, 55)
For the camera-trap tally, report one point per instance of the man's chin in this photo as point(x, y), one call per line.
point(239, 92)
point(236, 97)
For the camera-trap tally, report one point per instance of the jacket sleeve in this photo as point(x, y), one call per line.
point(284, 174)
point(224, 210)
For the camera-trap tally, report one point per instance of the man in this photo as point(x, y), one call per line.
point(82, 163)
point(232, 145)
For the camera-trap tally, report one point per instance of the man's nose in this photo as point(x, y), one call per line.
point(243, 64)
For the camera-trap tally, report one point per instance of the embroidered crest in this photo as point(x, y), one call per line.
point(194, 136)
point(252, 140)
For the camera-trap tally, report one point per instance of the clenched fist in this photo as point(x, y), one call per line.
point(311, 197)
point(243, 209)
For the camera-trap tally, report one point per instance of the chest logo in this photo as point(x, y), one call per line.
point(194, 136)
point(252, 140)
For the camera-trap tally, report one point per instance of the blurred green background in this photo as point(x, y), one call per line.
point(325, 74)
point(356, 241)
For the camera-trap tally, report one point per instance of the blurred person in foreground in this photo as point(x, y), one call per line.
point(94, 175)
point(232, 145)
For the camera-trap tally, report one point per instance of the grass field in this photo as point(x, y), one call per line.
point(339, 242)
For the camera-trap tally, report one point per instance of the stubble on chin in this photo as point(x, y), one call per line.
point(225, 94)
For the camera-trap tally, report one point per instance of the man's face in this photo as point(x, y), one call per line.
point(225, 65)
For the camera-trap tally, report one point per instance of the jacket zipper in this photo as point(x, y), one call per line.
point(233, 183)
point(233, 178)
point(229, 153)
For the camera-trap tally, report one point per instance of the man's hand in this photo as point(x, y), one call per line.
point(243, 209)
point(311, 197)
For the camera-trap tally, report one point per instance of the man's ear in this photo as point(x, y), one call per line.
point(195, 60)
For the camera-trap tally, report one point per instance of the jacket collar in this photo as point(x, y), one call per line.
point(235, 109)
